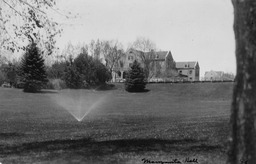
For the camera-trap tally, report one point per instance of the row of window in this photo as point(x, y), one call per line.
point(190, 72)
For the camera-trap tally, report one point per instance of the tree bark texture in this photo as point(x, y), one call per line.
point(243, 114)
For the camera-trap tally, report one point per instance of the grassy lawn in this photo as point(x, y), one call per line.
point(171, 121)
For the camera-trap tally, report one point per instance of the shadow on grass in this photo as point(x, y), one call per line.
point(42, 92)
point(105, 87)
point(98, 148)
point(140, 91)
point(48, 92)
point(10, 135)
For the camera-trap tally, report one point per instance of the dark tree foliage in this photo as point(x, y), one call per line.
point(33, 72)
point(57, 70)
point(10, 71)
point(85, 66)
point(135, 79)
point(72, 78)
point(2, 77)
point(92, 71)
point(85, 71)
point(101, 73)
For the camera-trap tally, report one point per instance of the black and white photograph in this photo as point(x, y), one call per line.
point(128, 81)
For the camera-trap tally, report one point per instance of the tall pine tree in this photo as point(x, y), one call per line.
point(33, 72)
point(135, 79)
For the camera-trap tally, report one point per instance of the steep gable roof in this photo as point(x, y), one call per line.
point(183, 65)
point(161, 54)
point(134, 51)
point(157, 55)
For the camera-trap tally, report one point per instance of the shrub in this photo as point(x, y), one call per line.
point(2, 78)
point(86, 72)
point(57, 70)
point(135, 79)
point(9, 73)
point(56, 84)
point(102, 73)
point(84, 65)
point(105, 87)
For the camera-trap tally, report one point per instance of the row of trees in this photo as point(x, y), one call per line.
point(77, 66)
point(82, 71)
point(112, 52)
point(31, 71)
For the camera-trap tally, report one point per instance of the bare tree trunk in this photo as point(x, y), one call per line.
point(243, 115)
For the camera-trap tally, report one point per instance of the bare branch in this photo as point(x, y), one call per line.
point(34, 8)
point(13, 8)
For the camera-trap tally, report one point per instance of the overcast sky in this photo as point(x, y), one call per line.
point(193, 30)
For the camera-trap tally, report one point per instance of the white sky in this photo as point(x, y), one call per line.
point(193, 30)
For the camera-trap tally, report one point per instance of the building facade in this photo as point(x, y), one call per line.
point(189, 69)
point(159, 66)
point(218, 76)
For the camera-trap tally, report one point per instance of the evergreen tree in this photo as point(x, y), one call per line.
point(135, 79)
point(33, 72)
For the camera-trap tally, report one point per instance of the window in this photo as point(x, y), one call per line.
point(130, 57)
point(180, 71)
point(190, 72)
point(185, 65)
point(119, 74)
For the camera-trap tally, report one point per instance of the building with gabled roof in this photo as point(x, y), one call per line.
point(130, 56)
point(191, 69)
point(161, 67)
point(218, 76)
point(161, 55)
point(213, 75)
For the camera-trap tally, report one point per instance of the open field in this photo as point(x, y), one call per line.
point(170, 121)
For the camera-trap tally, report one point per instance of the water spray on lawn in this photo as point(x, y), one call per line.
point(79, 103)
